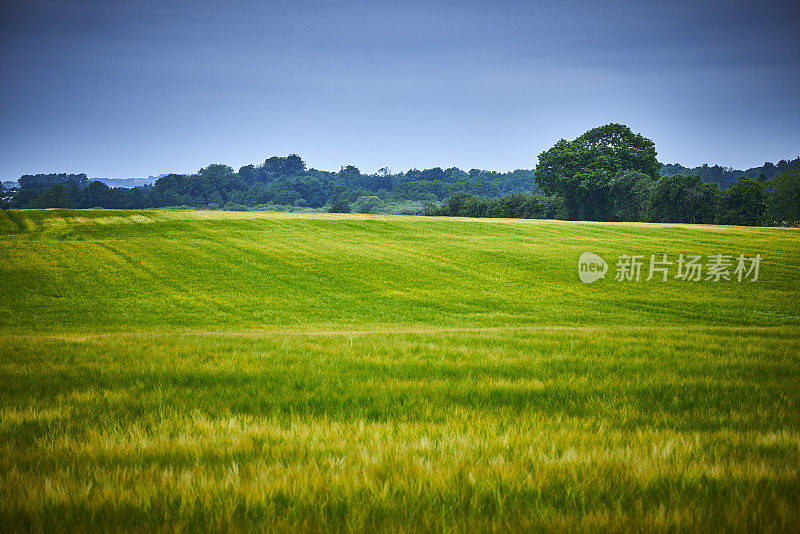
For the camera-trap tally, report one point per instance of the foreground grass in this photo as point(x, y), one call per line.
point(282, 372)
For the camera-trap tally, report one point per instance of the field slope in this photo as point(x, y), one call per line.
point(181, 370)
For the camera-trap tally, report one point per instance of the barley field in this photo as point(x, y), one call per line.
point(219, 371)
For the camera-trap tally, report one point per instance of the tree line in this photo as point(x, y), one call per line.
point(677, 199)
point(607, 174)
point(727, 176)
point(280, 183)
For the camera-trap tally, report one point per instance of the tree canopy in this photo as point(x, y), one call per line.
point(783, 197)
point(683, 199)
point(743, 204)
point(581, 170)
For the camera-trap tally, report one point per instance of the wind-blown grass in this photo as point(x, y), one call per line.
point(250, 371)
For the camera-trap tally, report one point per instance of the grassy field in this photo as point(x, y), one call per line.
point(208, 371)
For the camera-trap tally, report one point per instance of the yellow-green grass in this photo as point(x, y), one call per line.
point(168, 370)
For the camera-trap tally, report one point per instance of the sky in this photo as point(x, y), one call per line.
point(136, 88)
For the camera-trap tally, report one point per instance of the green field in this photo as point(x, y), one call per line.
point(179, 370)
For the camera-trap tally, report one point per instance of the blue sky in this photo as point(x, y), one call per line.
point(129, 89)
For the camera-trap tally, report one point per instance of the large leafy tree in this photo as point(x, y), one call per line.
point(581, 170)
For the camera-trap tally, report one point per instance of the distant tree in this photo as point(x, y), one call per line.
point(630, 195)
point(219, 178)
point(726, 176)
point(21, 198)
point(238, 197)
point(294, 165)
point(350, 176)
point(248, 174)
point(783, 197)
point(463, 205)
point(95, 195)
point(744, 203)
point(581, 170)
point(272, 169)
point(311, 189)
point(167, 191)
point(286, 197)
point(367, 204)
point(57, 196)
point(508, 206)
point(341, 193)
point(547, 207)
point(40, 182)
point(339, 206)
point(436, 173)
point(215, 198)
point(381, 180)
point(516, 205)
point(278, 167)
point(133, 198)
point(684, 199)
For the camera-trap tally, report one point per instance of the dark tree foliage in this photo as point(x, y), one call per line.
point(40, 182)
point(725, 176)
point(683, 199)
point(339, 206)
point(351, 177)
point(212, 184)
point(743, 204)
point(56, 196)
point(630, 195)
point(96, 195)
point(21, 199)
point(276, 167)
point(298, 191)
point(783, 198)
point(285, 181)
point(248, 174)
point(581, 170)
point(518, 205)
